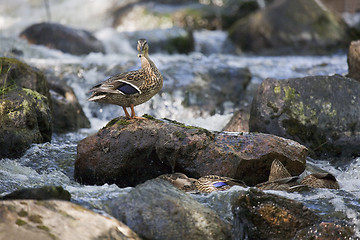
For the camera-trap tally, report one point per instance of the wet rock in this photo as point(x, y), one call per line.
point(190, 14)
point(239, 122)
point(157, 210)
point(67, 113)
point(287, 25)
point(63, 38)
point(327, 230)
point(41, 193)
point(259, 215)
point(353, 60)
point(320, 112)
point(16, 74)
point(48, 220)
point(25, 118)
point(129, 152)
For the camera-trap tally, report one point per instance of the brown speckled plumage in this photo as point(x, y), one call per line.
point(131, 88)
point(278, 171)
point(321, 180)
point(180, 181)
point(213, 183)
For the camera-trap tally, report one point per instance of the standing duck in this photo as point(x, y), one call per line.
point(131, 88)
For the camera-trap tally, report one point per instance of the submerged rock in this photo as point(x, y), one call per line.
point(129, 152)
point(259, 215)
point(321, 112)
point(63, 38)
point(157, 210)
point(301, 25)
point(41, 193)
point(48, 220)
point(67, 113)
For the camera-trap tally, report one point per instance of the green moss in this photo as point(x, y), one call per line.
point(35, 218)
point(45, 228)
point(180, 135)
point(277, 89)
point(22, 213)
point(119, 121)
point(20, 222)
point(200, 130)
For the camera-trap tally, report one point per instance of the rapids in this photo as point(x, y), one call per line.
point(53, 163)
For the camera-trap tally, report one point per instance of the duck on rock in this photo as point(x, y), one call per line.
point(131, 88)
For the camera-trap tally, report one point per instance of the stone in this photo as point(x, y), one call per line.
point(259, 215)
point(63, 38)
point(25, 118)
point(158, 210)
point(54, 219)
point(239, 121)
point(67, 113)
point(327, 230)
point(40, 193)
point(129, 152)
point(320, 112)
point(286, 26)
point(353, 60)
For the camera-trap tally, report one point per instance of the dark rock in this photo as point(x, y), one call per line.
point(25, 118)
point(320, 112)
point(258, 215)
point(63, 38)
point(67, 113)
point(353, 60)
point(157, 210)
point(128, 152)
point(327, 230)
point(53, 219)
point(300, 25)
point(41, 193)
point(239, 122)
point(14, 73)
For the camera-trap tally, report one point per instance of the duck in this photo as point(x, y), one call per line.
point(211, 183)
point(180, 181)
point(132, 88)
point(278, 171)
point(321, 180)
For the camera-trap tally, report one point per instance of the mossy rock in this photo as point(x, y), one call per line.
point(25, 118)
point(41, 193)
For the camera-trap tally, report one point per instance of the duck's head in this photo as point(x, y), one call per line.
point(142, 47)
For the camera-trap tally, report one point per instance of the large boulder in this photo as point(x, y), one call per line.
point(63, 38)
point(258, 215)
point(67, 113)
point(301, 25)
point(48, 220)
point(129, 152)
point(25, 118)
point(321, 112)
point(158, 210)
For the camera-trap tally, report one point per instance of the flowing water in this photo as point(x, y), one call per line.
point(53, 163)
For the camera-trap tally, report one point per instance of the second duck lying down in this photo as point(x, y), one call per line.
point(130, 88)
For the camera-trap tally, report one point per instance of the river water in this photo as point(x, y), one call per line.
point(53, 163)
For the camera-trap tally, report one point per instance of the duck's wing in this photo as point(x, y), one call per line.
point(123, 83)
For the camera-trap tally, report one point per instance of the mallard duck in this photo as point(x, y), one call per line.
point(131, 88)
point(288, 184)
point(180, 181)
point(321, 180)
point(278, 171)
point(212, 183)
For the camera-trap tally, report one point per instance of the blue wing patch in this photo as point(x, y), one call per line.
point(127, 89)
point(219, 184)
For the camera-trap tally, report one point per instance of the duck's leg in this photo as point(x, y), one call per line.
point(126, 113)
point(133, 112)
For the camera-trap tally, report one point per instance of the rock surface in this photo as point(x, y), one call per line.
point(258, 215)
point(63, 38)
point(239, 121)
point(40, 193)
point(129, 152)
point(157, 210)
point(25, 118)
point(353, 60)
point(300, 25)
point(48, 220)
point(67, 113)
point(320, 112)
